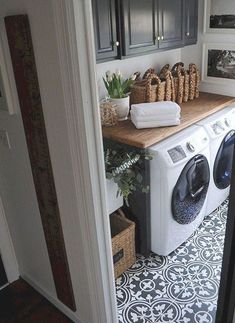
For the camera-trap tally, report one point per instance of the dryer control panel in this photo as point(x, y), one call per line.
point(177, 153)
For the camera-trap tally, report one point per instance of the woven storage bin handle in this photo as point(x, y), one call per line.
point(178, 66)
point(164, 70)
point(149, 72)
point(151, 78)
point(193, 84)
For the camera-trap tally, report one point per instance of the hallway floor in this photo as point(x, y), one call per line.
point(180, 288)
point(20, 303)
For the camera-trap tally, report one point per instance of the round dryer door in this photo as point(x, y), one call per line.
point(190, 191)
point(223, 161)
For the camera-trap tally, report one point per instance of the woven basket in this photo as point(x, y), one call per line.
point(123, 242)
point(108, 114)
point(151, 89)
point(180, 82)
point(194, 79)
point(166, 75)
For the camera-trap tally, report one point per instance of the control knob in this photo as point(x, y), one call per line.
point(227, 122)
point(190, 147)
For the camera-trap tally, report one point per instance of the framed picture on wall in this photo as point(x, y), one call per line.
point(218, 63)
point(219, 16)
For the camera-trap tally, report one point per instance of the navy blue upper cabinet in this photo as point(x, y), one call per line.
point(132, 27)
point(105, 27)
point(139, 26)
point(171, 28)
point(191, 22)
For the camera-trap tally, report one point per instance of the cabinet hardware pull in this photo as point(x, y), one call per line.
point(162, 37)
point(117, 43)
point(158, 38)
point(187, 34)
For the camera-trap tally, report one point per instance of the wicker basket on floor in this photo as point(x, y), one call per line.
point(123, 242)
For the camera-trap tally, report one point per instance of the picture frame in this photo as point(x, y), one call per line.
point(218, 63)
point(222, 22)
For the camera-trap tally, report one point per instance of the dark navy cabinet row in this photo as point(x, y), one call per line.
point(132, 27)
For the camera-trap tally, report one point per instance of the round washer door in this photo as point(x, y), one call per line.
point(190, 191)
point(223, 162)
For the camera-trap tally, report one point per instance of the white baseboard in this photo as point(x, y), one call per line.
point(51, 299)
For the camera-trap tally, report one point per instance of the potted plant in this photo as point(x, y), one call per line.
point(124, 170)
point(118, 91)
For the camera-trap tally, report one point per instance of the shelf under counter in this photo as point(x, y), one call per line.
point(191, 112)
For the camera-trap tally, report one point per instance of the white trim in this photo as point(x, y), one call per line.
point(6, 248)
point(73, 23)
point(7, 73)
point(64, 309)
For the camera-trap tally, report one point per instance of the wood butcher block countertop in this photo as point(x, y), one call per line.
point(191, 112)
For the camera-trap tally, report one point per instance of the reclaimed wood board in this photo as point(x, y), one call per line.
point(191, 112)
point(24, 67)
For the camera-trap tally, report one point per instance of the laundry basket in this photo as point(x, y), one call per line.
point(123, 242)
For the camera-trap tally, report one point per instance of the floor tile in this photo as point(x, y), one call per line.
point(180, 288)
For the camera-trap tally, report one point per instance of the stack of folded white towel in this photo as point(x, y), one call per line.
point(156, 114)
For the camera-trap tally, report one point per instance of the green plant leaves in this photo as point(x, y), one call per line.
point(116, 86)
point(125, 167)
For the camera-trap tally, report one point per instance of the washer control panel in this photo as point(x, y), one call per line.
point(177, 153)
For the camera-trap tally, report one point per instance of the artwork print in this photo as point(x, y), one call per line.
point(221, 63)
point(222, 14)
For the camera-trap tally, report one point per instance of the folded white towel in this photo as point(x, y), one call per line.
point(155, 108)
point(157, 117)
point(155, 124)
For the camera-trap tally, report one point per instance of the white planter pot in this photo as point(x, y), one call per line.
point(123, 107)
point(114, 202)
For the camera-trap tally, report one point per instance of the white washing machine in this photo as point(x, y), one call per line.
point(179, 180)
point(220, 129)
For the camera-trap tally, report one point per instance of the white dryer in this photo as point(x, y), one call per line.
point(220, 129)
point(179, 180)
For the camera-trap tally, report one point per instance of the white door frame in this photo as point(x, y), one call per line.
point(75, 39)
point(6, 248)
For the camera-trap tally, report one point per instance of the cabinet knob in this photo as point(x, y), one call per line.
point(158, 37)
point(162, 37)
point(187, 34)
point(117, 43)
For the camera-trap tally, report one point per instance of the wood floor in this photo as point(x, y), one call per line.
point(20, 303)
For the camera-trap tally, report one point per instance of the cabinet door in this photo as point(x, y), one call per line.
point(191, 21)
point(139, 19)
point(170, 23)
point(104, 19)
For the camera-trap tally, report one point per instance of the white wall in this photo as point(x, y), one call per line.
point(140, 63)
point(194, 53)
point(16, 183)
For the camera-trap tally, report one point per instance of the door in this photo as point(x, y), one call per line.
point(104, 18)
point(191, 22)
point(170, 23)
point(139, 23)
point(190, 191)
point(3, 276)
point(222, 171)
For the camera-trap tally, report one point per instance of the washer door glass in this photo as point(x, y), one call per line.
point(223, 161)
point(190, 191)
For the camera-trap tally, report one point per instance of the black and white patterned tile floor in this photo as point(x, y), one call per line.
point(180, 288)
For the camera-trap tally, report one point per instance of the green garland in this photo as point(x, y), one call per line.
point(125, 168)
